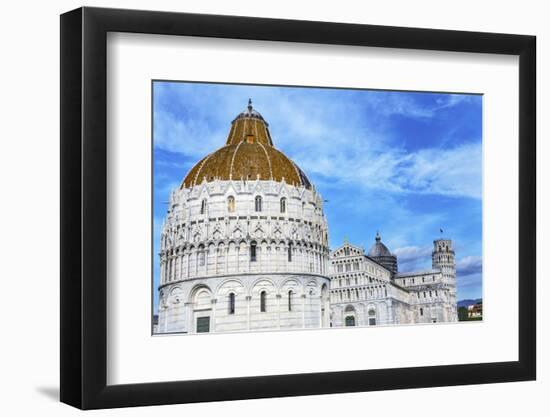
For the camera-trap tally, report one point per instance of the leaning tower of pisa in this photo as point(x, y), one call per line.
point(443, 259)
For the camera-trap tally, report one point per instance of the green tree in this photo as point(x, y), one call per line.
point(462, 314)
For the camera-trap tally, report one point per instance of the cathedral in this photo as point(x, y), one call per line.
point(367, 290)
point(244, 247)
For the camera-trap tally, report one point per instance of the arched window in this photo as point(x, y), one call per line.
point(232, 303)
point(283, 205)
point(290, 252)
point(372, 318)
point(203, 206)
point(253, 248)
point(230, 204)
point(258, 203)
point(201, 255)
point(290, 294)
point(421, 311)
point(263, 296)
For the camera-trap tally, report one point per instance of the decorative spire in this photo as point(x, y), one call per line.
point(378, 236)
point(250, 113)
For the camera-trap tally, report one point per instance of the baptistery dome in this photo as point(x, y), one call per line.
point(244, 245)
point(248, 154)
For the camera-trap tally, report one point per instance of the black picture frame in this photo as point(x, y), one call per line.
point(84, 207)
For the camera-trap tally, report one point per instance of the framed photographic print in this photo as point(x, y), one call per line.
point(257, 208)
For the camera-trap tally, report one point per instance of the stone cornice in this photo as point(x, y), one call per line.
point(241, 274)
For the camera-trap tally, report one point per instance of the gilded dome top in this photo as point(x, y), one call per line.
point(248, 154)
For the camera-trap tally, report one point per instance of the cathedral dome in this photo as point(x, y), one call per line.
point(381, 254)
point(248, 154)
point(379, 249)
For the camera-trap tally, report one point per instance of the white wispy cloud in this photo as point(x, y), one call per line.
point(405, 105)
point(454, 172)
point(469, 265)
point(450, 172)
point(412, 253)
point(468, 268)
point(411, 258)
point(194, 138)
point(165, 188)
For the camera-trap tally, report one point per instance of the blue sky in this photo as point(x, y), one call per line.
point(403, 163)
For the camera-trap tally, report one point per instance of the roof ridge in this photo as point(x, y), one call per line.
point(295, 169)
point(200, 167)
point(233, 160)
point(232, 131)
point(266, 155)
point(268, 136)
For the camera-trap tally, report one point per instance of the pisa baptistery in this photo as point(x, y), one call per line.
point(244, 246)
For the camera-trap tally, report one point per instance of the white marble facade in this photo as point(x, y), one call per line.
point(265, 242)
point(365, 293)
